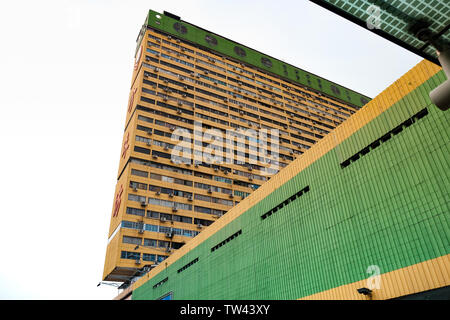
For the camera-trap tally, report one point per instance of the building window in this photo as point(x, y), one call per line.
point(131, 240)
point(139, 173)
point(130, 255)
point(150, 242)
point(148, 257)
point(151, 227)
point(135, 197)
point(161, 258)
point(142, 150)
point(138, 185)
point(136, 212)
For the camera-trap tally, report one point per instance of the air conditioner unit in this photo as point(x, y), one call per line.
point(231, 195)
point(138, 261)
point(158, 193)
point(166, 148)
point(163, 219)
point(209, 190)
point(169, 234)
point(199, 225)
point(149, 143)
point(141, 230)
point(172, 128)
point(185, 87)
point(134, 188)
point(179, 111)
point(171, 195)
point(174, 209)
point(143, 204)
point(155, 156)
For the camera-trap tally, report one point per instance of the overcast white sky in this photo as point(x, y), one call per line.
point(65, 72)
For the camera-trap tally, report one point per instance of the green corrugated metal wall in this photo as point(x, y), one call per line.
point(390, 208)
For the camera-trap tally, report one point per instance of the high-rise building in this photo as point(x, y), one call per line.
point(194, 85)
point(363, 214)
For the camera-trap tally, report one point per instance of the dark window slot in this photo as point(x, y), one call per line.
point(365, 151)
point(386, 137)
point(375, 144)
point(233, 236)
point(395, 131)
point(408, 122)
point(188, 265)
point(354, 158)
point(151, 101)
point(421, 114)
point(161, 282)
point(285, 203)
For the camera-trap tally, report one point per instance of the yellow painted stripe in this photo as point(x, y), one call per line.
point(403, 86)
point(424, 276)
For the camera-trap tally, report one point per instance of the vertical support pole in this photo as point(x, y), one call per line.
point(441, 95)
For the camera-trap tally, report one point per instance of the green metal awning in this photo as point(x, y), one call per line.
point(420, 26)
